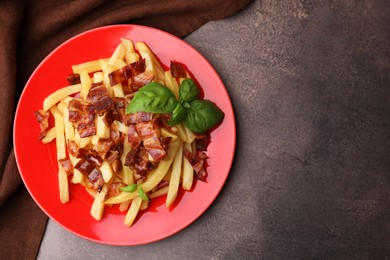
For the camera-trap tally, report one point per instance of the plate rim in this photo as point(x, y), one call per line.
point(113, 27)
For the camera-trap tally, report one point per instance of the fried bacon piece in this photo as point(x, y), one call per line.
point(201, 142)
point(114, 189)
point(96, 178)
point(43, 120)
point(137, 159)
point(133, 137)
point(83, 116)
point(98, 96)
point(74, 78)
point(178, 70)
point(141, 80)
point(85, 166)
point(198, 163)
point(73, 148)
point(140, 117)
point(88, 166)
point(125, 73)
point(103, 146)
point(120, 107)
point(150, 140)
point(66, 165)
point(117, 165)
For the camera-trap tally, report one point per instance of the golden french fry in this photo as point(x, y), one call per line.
point(151, 66)
point(78, 177)
point(77, 138)
point(181, 132)
point(97, 208)
point(60, 94)
point(124, 206)
point(131, 57)
point(98, 77)
point(144, 205)
point(60, 138)
point(128, 44)
point(118, 90)
point(121, 127)
point(119, 63)
point(127, 173)
point(158, 174)
point(85, 84)
point(85, 141)
point(91, 191)
point(165, 133)
point(147, 54)
point(159, 192)
point(68, 126)
point(167, 176)
point(119, 53)
point(188, 171)
point(190, 135)
point(63, 185)
point(102, 130)
point(50, 135)
point(106, 79)
point(171, 83)
point(175, 176)
point(89, 67)
point(133, 211)
point(107, 171)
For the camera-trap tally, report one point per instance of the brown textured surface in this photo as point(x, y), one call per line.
point(309, 81)
point(32, 29)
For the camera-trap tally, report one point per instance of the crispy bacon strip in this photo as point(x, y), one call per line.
point(98, 96)
point(74, 78)
point(150, 140)
point(178, 70)
point(141, 80)
point(96, 178)
point(66, 165)
point(125, 73)
point(198, 163)
point(114, 189)
point(120, 107)
point(43, 120)
point(83, 116)
point(73, 148)
point(133, 137)
point(140, 117)
point(202, 142)
point(103, 146)
point(88, 166)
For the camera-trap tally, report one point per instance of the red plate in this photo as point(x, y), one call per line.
point(37, 161)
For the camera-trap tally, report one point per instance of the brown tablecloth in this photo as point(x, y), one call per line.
point(29, 31)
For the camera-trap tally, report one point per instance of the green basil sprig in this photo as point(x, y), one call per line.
point(199, 115)
point(133, 187)
point(153, 98)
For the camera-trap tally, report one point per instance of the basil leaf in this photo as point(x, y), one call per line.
point(178, 115)
point(188, 91)
point(130, 188)
point(153, 98)
point(203, 115)
point(142, 194)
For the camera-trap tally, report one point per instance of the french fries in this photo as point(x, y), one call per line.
point(175, 176)
point(112, 171)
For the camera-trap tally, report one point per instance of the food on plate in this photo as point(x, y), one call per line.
point(128, 130)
